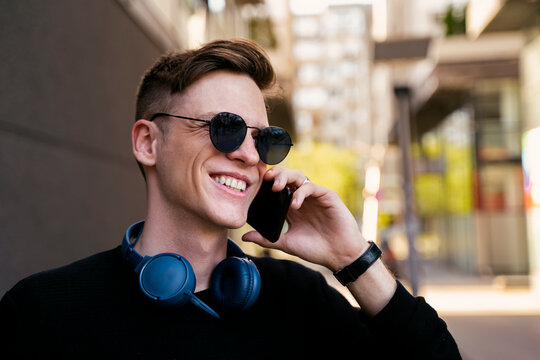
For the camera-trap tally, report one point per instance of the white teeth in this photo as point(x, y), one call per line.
point(232, 183)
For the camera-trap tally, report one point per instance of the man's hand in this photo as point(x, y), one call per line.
point(321, 228)
point(323, 231)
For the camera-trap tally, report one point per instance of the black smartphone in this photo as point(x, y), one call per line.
point(268, 211)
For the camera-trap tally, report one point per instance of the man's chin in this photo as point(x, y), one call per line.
point(237, 224)
point(232, 223)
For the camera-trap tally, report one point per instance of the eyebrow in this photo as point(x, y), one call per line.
point(209, 115)
point(259, 126)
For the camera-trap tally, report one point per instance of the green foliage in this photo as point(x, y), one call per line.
point(332, 167)
point(454, 20)
point(261, 31)
point(447, 187)
point(458, 179)
point(429, 192)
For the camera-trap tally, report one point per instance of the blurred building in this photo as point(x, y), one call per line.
point(471, 102)
point(519, 138)
point(332, 57)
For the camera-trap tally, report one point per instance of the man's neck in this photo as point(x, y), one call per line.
point(203, 246)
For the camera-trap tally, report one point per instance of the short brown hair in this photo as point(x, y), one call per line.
point(174, 72)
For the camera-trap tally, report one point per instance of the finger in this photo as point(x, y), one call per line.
point(272, 172)
point(286, 177)
point(299, 180)
point(305, 191)
point(275, 174)
point(299, 196)
point(256, 238)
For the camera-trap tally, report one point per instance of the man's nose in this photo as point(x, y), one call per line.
point(247, 152)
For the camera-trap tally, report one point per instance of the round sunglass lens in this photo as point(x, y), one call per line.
point(227, 132)
point(273, 145)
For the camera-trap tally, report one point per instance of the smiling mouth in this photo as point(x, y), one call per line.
point(231, 183)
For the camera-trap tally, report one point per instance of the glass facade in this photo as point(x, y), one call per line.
point(469, 184)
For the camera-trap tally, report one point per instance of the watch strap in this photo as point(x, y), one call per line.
point(351, 272)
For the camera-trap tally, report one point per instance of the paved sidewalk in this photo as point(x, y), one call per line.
point(488, 320)
point(460, 300)
point(452, 292)
point(496, 337)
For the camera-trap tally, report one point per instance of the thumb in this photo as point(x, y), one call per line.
point(255, 237)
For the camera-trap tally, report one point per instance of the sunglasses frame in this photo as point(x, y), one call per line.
point(209, 122)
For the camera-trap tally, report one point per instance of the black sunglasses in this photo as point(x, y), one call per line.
point(228, 131)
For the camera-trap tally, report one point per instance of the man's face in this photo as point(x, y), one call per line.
point(190, 170)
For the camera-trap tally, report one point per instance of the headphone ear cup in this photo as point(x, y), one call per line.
point(235, 283)
point(168, 279)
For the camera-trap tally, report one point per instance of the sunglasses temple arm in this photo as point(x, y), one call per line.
point(179, 117)
point(189, 118)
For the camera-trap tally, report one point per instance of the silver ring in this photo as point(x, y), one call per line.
point(306, 180)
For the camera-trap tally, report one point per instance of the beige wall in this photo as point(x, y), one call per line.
point(68, 183)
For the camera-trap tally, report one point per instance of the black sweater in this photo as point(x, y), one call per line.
point(94, 308)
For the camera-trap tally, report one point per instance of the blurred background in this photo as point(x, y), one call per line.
point(424, 115)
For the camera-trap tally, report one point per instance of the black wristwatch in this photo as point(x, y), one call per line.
point(350, 273)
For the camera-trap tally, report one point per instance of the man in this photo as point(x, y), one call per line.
point(202, 141)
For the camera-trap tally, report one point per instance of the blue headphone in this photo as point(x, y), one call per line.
point(168, 279)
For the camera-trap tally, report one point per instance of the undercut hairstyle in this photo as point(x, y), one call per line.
point(172, 73)
point(175, 71)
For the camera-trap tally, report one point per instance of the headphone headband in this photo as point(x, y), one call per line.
point(128, 252)
point(234, 283)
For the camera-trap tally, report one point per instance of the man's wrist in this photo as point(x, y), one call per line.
point(354, 270)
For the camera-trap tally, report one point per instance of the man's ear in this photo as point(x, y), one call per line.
point(143, 136)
